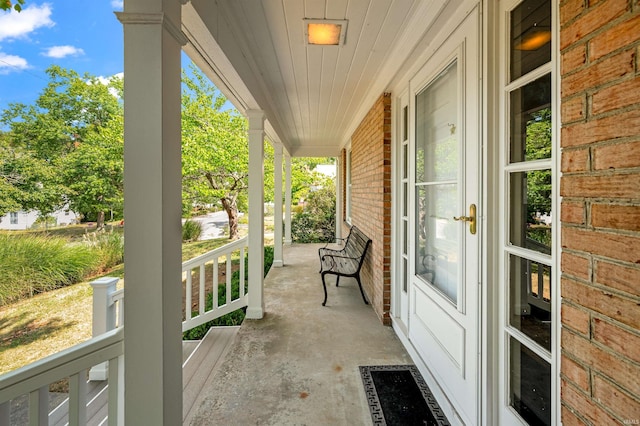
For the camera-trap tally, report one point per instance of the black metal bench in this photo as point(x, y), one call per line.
point(345, 262)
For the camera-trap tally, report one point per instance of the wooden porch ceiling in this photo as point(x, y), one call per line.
point(313, 96)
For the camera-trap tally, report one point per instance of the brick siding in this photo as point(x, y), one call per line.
point(600, 186)
point(371, 201)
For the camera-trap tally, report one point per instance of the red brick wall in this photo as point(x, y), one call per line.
point(371, 201)
point(600, 186)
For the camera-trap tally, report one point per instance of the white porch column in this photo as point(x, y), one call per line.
point(338, 199)
point(277, 206)
point(255, 310)
point(152, 193)
point(287, 199)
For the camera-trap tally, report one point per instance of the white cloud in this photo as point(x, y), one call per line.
point(117, 4)
point(106, 80)
point(10, 63)
point(63, 51)
point(17, 25)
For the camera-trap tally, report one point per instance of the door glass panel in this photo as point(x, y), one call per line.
point(530, 384)
point(531, 121)
point(530, 299)
point(437, 189)
point(436, 128)
point(405, 202)
point(405, 161)
point(530, 36)
point(530, 210)
point(405, 234)
point(404, 274)
point(437, 237)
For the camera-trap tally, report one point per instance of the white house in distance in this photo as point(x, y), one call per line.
point(14, 221)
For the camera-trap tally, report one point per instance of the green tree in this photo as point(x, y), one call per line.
point(215, 152)
point(59, 144)
point(304, 178)
point(94, 172)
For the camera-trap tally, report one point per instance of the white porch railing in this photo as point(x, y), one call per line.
point(102, 357)
point(74, 362)
point(197, 267)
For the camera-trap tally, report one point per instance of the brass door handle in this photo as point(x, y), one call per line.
point(471, 219)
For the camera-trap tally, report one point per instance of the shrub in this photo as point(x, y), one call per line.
point(232, 318)
point(317, 222)
point(191, 231)
point(34, 264)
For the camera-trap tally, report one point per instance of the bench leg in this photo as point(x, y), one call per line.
point(324, 286)
point(361, 291)
point(337, 280)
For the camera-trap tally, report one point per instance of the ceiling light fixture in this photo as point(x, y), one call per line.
point(325, 32)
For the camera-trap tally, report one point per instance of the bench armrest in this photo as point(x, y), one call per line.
point(330, 242)
point(332, 260)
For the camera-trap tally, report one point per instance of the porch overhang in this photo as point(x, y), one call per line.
point(313, 97)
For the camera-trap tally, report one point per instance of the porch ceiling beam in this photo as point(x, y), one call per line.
point(152, 335)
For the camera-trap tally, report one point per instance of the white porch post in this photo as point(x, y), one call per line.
point(255, 310)
point(277, 206)
point(152, 193)
point(287, 199)
point(338, 199)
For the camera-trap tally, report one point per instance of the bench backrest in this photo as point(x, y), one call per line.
point(357, 244)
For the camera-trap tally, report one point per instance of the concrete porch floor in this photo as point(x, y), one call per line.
point(299, 365)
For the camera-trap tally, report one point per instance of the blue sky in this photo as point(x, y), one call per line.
point(83, 35)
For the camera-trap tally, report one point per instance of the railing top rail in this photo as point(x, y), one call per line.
point(235, 245)
point(62, 364)
point(116, 295)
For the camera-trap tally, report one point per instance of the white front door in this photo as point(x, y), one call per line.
point(445, 181)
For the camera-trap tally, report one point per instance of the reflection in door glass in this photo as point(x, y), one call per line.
point(530, 210)
point(531, 121)
point(437, 133)
point(437, 191)
point(437, 237)
point(530, 384)
point(530, 299)
point(530, 36)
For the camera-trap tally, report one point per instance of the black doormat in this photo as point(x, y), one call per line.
point(398, 395)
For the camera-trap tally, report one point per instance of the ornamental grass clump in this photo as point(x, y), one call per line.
point(33, 264)
point(191, 231)
point(108, 246)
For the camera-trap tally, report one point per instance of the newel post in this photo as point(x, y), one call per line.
point(104, 318)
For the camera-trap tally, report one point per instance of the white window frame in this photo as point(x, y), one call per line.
point(504, 88)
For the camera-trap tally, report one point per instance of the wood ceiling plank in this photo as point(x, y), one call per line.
point(356, 15)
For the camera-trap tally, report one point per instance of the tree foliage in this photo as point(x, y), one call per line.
point(7, 5)
point(538, 146)
point(304, 178)
point(66, 148)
